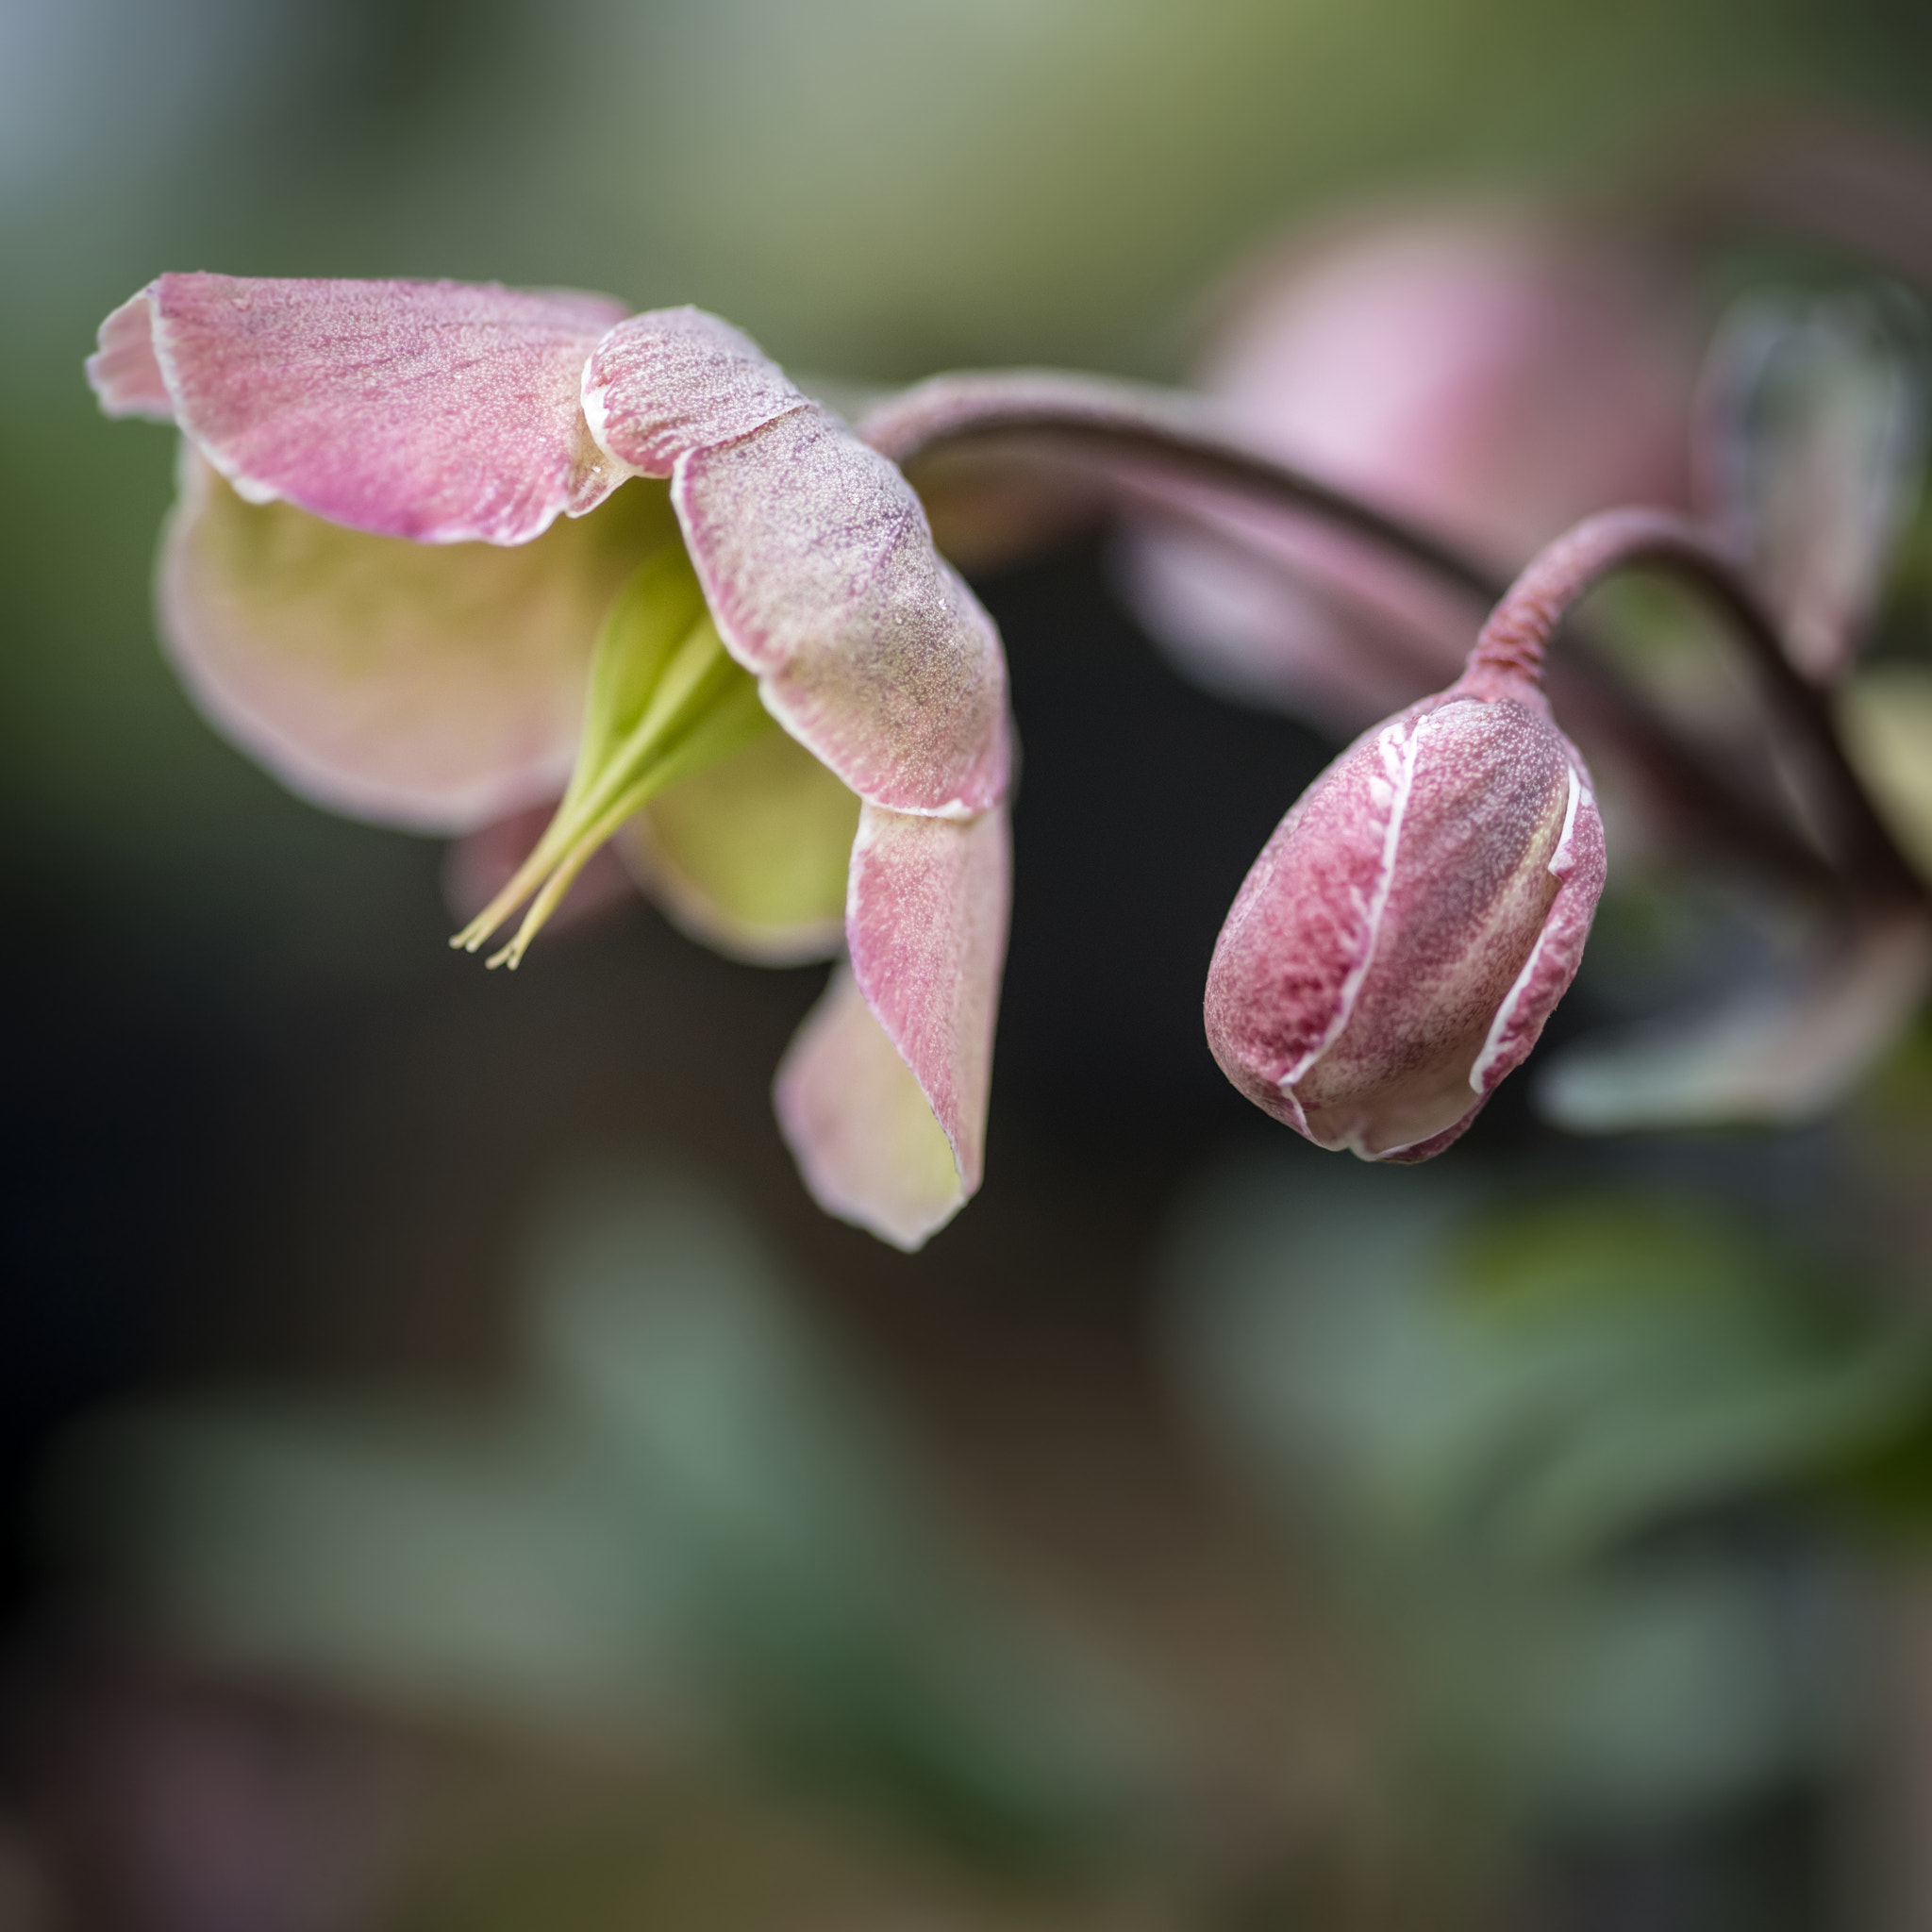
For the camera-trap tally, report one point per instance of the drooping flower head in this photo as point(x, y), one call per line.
point(1398, 945)
point(444, 551)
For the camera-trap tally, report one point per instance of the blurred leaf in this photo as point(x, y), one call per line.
point(404, 1551)
point(1665, 1358)
point(1886, 713)
point(696, 1516)
point(1777, 1050)
point(1815, 437)
point(1489, 1413)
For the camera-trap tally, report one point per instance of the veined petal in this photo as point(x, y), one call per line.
point(817, 563)
point(751, 856)
point(439, 411)
point(435, 687)
point(673, 380)
point(882, 1096)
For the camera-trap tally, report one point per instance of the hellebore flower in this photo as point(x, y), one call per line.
point(1413, 921)
point(1488, 375)
point(440, 547)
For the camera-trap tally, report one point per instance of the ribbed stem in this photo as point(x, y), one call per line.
point(1511, 646)
point(1180, 435)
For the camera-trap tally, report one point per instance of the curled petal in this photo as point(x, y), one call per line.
point(435, 411)
point(859, 1127)
point(425, 686)
point(751, 854)
point(882, 1096)
point(124, 371)
point(1778, 1056)
point(677, 379)
point(817, 563)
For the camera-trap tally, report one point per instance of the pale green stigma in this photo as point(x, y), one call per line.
point(665, 701)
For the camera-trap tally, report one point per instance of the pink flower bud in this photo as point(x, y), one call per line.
point(1408, 928)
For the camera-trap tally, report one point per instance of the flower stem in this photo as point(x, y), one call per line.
point(1511, 645)
point(1121, 424)
point(1173, 432)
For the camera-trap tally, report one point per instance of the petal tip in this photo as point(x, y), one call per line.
point(865, 1138)
point(124, 371)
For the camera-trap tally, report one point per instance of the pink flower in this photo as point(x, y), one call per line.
point(1488, 375)
point(1412, 922)
point(440, 548)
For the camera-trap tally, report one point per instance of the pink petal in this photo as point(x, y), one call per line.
point(435, 410)
point(1273, 611)
point(817, 562)
point(1489, 375)
point(433, 685)
point(1579, 865)
point(124, 371)
point(677, 379)
point(905, 1040)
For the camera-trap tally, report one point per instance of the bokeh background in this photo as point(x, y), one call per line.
point(452, 1476)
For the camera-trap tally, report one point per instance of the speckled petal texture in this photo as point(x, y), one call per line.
point(927, 922)
point(1406, 931)
point(438, 681)
point(817, 562)
point(433, 410)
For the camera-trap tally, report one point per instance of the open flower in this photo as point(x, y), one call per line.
point(440, 549)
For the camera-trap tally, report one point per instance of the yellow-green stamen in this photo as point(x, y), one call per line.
point(665, 701)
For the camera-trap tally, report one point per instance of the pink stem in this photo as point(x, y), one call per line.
point(1115, 424)
point(1153, 428)
point(1508, 658)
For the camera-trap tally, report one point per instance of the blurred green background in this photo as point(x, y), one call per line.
point(264, 1133)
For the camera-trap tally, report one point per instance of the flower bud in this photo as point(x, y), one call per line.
point(1408, 928)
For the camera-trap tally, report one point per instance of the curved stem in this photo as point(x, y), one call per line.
point(1509, 653)
point(1149, 428)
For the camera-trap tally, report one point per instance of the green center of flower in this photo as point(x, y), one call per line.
point(666, 701)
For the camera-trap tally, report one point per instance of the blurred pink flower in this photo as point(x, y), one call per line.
point(418, 525)
point(1489, 376)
